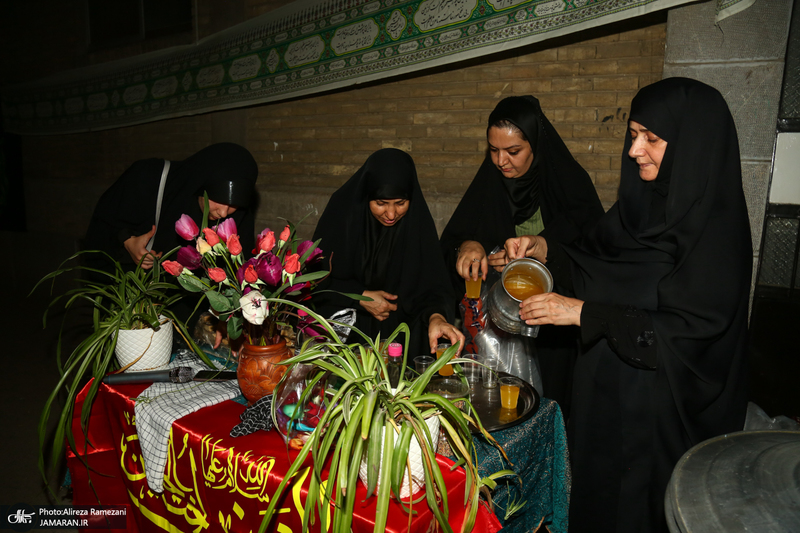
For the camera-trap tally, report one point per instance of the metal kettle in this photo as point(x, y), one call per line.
point(503, 308)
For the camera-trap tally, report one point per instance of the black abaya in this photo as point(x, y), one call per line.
point(685, 261)
point(404, 259)
point(493, 206)
point(128, 208)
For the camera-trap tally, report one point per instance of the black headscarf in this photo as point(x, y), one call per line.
point(226, 171)
point(493, 204)
point(689, 268)
point(365, 255)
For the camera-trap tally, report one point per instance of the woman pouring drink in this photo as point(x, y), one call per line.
point(528, 184)
point(662, 286)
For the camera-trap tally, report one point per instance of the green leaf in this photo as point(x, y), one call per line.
point(219, 302)
point(191, 283)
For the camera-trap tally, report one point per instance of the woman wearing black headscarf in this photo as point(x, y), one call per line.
point(529, 184)
point(124, 220)
point(663, 285)
point(382, 243)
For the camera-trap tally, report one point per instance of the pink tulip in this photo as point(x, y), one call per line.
point(186, 228)
point(285, 234)
point(189, 257)
point(265, 241)
point(292, 264)
point(313, 256)
point(173, 267)
point(216, 274)
point(211, 237)
point(234, 247)
point(226, 228)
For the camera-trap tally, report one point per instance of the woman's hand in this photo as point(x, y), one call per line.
point(471, 260)
point(380, 306)
point(137, 248)
point(527, 246)
point(439, 327)
point(498, 260)
point(551, 308)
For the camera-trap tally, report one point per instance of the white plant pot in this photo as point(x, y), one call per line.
point(147, 349)
point(414, 458)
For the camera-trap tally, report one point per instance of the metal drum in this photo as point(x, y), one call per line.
point(503, 308)
point(745, 481)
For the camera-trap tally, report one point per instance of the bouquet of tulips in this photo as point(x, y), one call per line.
point(243, 292)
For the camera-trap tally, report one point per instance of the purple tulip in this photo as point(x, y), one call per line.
point(303, 248)
point(269, 269)
point(297, 287)
point(189, 257)
point(186, 228)
point(226, 228)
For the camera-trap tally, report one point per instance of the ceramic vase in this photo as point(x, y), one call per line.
point(145, 349)
point(259, 369)
point(414, 458)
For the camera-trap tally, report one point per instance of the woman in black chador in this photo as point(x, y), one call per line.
point(663, 284)
point(124, 220)
point(529, 184)
point(382, 243)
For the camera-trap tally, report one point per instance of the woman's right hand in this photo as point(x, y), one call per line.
point(137, 248)
point(380, 306)
point(527, 246)
point(471, 260)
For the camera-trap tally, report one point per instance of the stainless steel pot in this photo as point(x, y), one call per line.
point(503, 308)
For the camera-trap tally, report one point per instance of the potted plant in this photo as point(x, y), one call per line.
point(247, 294)
point(119, 300)
point(362, 419)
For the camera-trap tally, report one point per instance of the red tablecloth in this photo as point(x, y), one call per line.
point(214, 482)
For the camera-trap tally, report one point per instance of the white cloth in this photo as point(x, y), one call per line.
point(161, 404)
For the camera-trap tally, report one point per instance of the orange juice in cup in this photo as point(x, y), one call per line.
point(509, 392)
point(473, 288)
point(446, 370)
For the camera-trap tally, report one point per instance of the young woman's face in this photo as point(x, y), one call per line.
point(511, 154)
point(647, 149)
point(216, 210)
point(389, 212)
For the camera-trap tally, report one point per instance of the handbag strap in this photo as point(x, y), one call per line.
point(158, 202)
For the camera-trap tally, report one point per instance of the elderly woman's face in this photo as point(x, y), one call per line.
point(647, 149)
point(389, 212)
point(216, 210)
point(511, 154)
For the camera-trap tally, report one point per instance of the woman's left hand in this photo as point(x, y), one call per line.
point(551, 308)
point(439, 327)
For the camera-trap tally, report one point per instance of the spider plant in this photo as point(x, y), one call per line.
point(359, 405)
point(118, 300)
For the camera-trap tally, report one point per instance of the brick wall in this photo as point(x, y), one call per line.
point(307, 147)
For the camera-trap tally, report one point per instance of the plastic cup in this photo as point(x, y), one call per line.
point(446, 370)
point(422, 362)
point(473, 288)
point(472, 371)
point(489, 372)
point(509, 391)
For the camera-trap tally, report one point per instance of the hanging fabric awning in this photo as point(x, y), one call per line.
point(306, 47)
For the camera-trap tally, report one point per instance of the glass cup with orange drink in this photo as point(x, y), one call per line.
point(473, 287)
point(446, 370)
point(509, 391)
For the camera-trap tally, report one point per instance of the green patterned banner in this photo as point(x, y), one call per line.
point(304, 48)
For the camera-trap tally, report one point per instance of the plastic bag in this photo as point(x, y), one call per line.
point(516, 353)
point(757, 420)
